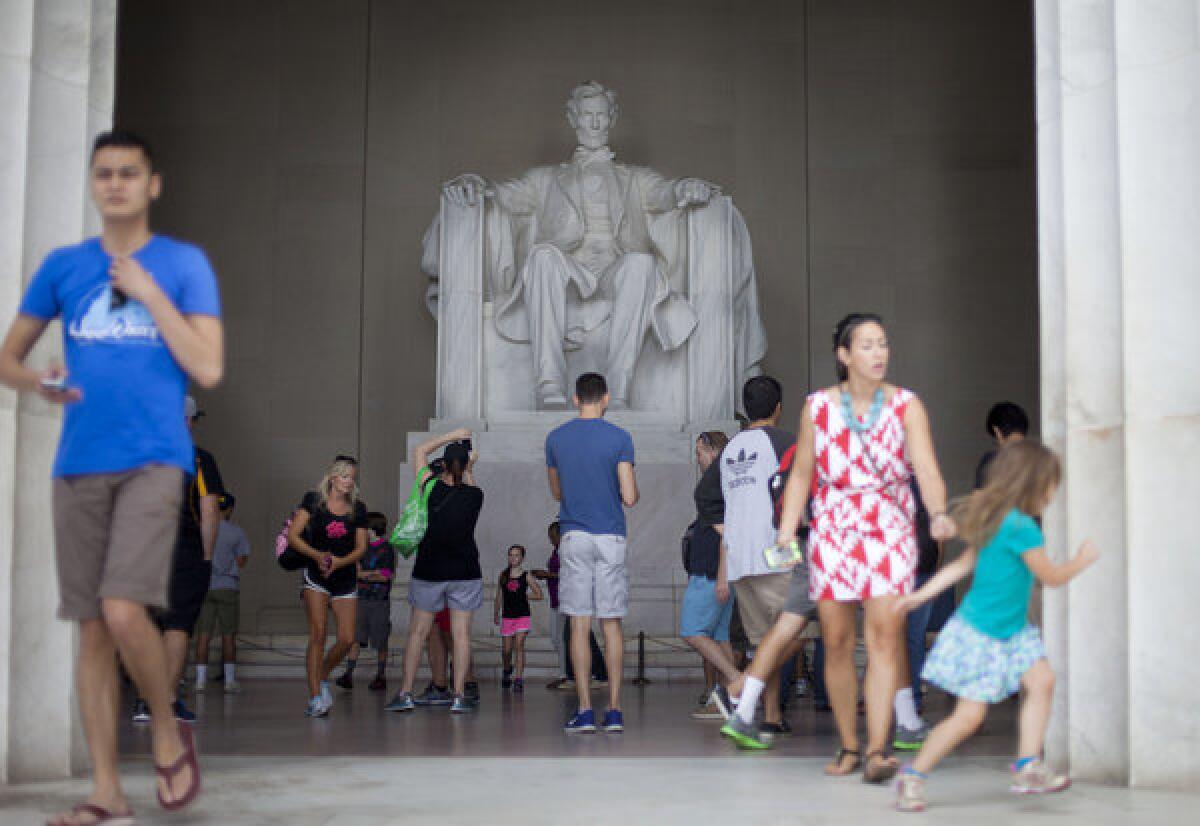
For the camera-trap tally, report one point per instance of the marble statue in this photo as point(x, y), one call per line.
point(593, 240)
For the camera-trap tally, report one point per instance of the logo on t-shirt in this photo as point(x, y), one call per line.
point(740, 466)
point(129, 322)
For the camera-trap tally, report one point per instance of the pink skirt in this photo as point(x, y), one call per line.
point(514, 626)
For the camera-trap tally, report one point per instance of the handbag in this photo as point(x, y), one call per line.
point(288, 557)
point(414, 519)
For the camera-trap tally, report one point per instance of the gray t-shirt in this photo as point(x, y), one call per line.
point(232, 545)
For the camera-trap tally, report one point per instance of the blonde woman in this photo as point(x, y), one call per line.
point(330, 528)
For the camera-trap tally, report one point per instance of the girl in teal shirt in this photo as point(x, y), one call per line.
point(988, 650)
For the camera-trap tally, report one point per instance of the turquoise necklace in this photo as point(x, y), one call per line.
point(872, 415)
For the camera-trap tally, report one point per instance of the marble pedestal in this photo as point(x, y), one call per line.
point(518, 507)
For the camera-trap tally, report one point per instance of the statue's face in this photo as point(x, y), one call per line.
point(592, 122)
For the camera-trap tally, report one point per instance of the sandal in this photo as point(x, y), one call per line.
point(879, 768)
point(168, 773)
point(101, 815)
point(835, 769)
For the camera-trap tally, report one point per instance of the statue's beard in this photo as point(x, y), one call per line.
point(589, 140)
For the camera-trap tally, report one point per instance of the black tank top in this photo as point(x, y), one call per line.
point(515, 595)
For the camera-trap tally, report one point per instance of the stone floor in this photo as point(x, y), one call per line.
point(266, 764)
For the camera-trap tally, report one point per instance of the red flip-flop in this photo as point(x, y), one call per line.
point(102, 815)
point(168, 773)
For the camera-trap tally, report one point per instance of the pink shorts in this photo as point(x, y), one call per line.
point(512, 627)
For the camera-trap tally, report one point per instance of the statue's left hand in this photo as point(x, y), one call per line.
point(693, 192)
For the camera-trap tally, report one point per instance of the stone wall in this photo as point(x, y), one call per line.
point(882, 155)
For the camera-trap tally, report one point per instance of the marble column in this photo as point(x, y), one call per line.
point(56, 90)
point(1118, 88)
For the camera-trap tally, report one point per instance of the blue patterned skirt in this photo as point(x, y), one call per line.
point(969, 664)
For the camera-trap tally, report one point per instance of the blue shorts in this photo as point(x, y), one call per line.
point(702, 615)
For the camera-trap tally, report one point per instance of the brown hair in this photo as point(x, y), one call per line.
point(1022, 476)
point(714, 440)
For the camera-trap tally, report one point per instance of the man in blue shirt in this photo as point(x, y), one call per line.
point(140, 317)
point(589, 462)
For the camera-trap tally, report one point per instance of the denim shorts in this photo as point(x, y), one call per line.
point(702, 614)
point(455, 594)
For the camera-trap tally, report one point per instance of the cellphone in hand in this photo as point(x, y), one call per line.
point(57, 384)
point(780, 556)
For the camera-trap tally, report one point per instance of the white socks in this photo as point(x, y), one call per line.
point(229, 673)
point(906, 709)
point(752, 689)
point(201, 673)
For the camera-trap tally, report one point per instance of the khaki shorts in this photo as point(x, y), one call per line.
point(760, 600)
point(114, 535)
point(219, 613)
point(593, 580)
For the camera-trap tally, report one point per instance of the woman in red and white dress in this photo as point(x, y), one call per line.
point(864, 438)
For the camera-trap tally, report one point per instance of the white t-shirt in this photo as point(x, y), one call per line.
point(747, 465)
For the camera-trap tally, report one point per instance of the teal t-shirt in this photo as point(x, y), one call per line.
point(998, 601)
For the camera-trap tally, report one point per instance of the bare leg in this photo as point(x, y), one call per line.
point(716, 659)
point(345, 611)
point(97, 684)
point(777, 646)
point(176, 644)
point(418, 631)
point(141, 648)
point(354, 651)
point(203, 641)
point(316, 605)
point(1038, 683)
point(883, 629)
point(614, 659)
point(228, 649)
point(519, 668)
point(710, 673)
point(581, 660)
point(506, 644)
point(437, 657)
point(948, 734)
point(460, 634)
point(841, 683)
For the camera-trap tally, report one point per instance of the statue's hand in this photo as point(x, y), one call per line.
point(693, 192)
point(465, 190)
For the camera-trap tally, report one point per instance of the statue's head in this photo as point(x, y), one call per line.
point(591, 111)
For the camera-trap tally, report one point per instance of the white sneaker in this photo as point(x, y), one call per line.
point(232, 687)
point(326, 696)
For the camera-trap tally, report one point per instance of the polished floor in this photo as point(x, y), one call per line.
point(266, 719)
point(265, 763)
point(528, 791)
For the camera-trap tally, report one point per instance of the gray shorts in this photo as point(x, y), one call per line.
point(374, 623)
point(593, 580)
point(798, 601)
point(456, 594)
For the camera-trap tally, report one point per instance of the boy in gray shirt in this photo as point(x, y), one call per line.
point(230, 554)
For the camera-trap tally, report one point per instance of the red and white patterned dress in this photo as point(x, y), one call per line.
point(862, 543)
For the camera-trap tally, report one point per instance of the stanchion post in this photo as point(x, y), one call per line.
point(641, 678)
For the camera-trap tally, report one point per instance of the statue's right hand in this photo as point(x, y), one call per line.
point(465, 190)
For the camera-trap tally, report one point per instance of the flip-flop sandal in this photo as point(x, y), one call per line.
point(837, 762)
point(101, 815)
point(882, 771)
point(169, 773)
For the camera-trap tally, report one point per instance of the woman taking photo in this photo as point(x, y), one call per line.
point(865, 438)
point(446, 573)
point(330, 528)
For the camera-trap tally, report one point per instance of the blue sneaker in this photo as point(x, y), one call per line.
point(584, 722)
point(613, 721)
point(182, 713)
point(403, 701)
point(461, 705)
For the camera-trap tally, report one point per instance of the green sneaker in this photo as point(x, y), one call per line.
point(910, 739)
point(745, 735)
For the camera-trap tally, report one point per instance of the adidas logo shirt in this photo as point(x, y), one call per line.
point(747, 464)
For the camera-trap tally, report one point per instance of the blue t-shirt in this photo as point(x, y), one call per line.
point(131, 414)
point(998, 602)
point(585, 452)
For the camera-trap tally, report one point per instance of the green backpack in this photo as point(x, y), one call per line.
point(414, 520)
